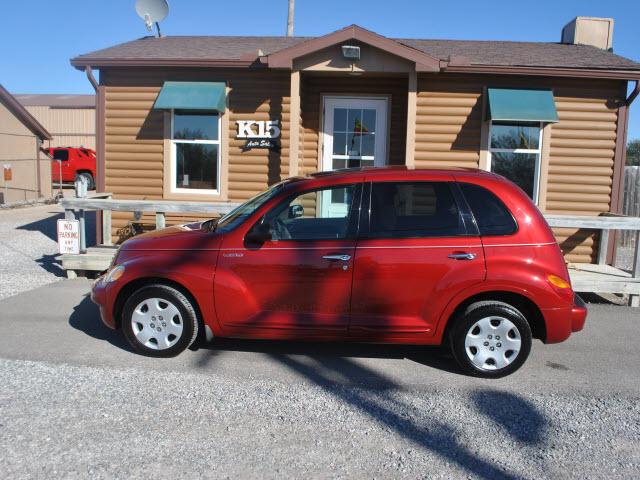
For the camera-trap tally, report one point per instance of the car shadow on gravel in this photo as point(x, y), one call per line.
point(517, 416)
point(430, 356)
point(86, 318)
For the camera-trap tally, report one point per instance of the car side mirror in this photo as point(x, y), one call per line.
point(260, 233)
point(296, 211)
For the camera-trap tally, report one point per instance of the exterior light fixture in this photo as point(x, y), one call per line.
point(351, 52)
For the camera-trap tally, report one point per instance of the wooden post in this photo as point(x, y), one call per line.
point(604, 245)
point(294, 123)
point(412, 99)
point(292, 7)
point(106, 227)
point(160, 220)
point(83, 233)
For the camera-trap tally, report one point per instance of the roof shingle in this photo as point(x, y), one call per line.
point(486, 53)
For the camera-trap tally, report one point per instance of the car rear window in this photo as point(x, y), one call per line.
point(61, 154)
point(492, 216)
point(414, 209)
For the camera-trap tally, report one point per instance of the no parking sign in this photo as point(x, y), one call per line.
point(68, 236)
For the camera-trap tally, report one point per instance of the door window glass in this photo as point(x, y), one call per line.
point(304, 216)
point(354, 132)
point(492, 217)
point(414, 209)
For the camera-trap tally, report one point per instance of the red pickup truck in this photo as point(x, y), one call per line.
point(73, 163)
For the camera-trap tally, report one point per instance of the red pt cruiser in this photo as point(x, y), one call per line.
point(371, 255)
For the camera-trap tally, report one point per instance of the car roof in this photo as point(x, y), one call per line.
point(396, 172)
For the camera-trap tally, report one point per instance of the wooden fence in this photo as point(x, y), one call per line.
point(630, 202)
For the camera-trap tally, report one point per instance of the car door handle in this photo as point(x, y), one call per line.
point(462, 256)
point(337, 257)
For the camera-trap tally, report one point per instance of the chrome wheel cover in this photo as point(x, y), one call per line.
point(157, 324)
point(493, 343)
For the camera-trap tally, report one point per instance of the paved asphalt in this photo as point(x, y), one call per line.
point(76, 403)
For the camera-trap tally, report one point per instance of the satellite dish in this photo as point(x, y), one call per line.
point(152, 11)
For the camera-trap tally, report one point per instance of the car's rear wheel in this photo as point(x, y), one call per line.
point(159, 321)
point(491, 339)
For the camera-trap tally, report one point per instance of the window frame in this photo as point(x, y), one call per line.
point(173, 164)
point(537, 152)
point(464, 212)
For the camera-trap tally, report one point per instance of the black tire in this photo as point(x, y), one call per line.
point(169, 296)
point(473, 314)
point(91, 184)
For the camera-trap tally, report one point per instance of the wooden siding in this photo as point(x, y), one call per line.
point(448, 133)
point(581, 160)
point(581, 150)
point(448, 122)
point(134, 134)
point(313, 87)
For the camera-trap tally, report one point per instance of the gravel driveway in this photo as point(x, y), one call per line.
point(76, 403)
point(28, 249)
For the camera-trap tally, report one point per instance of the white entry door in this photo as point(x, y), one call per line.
point(355, 135)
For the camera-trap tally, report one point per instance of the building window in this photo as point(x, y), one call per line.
point(195, 152)
point(514, 153)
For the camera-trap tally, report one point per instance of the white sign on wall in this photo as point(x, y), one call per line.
point(259, 133)
point(68, 236)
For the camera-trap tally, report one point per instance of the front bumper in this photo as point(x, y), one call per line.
point(100, 296)
point(562, 322)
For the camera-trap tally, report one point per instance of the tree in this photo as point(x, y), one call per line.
point(633, 152)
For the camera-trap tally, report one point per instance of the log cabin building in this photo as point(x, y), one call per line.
point(221, 118)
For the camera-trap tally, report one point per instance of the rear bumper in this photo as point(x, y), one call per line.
point(578, 314)
point(562, 322)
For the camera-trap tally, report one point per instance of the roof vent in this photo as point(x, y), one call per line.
point(597, 32)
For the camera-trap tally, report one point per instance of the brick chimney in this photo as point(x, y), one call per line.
point(597, 32)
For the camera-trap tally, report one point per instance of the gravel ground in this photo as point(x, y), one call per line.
point(75, 402)
point(28, 250)
point(84, 422)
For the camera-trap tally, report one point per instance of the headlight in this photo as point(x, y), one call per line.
point(114, 274)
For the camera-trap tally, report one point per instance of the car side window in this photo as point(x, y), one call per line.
point(322, 214)
point(492, 216)
point(414, 210)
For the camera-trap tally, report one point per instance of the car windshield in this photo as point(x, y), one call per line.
point(239, 214)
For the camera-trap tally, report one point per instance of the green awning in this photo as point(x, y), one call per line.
point(514, 104)
point(192, 96)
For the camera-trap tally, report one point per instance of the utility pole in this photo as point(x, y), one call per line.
point(292, 4)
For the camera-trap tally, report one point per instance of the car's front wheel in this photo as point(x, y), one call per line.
point(159, 321)
point(491, 339)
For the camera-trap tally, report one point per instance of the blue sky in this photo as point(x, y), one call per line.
point(38, 37)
